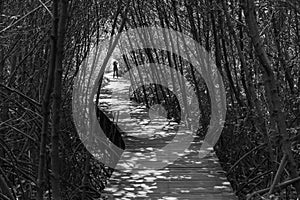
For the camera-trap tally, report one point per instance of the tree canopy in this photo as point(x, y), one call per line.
point(44, 43)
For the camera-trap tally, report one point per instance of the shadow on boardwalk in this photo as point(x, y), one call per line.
point(189, 177)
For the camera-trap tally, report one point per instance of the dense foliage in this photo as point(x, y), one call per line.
point(256, 47)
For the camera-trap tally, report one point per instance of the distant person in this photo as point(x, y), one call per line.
point(115, 64)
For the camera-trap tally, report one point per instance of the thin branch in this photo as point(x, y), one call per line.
point(5, 187)
point(230, 16)
point(23, 133)
point(278, 187)
point(244, 156)
point(30, 100)
point(46, 8)
point(11, 25)
point(4, 197)
point(278, 173)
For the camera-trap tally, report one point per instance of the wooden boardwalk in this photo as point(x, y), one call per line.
point(189, 177)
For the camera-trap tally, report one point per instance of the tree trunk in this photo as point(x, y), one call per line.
point(271, 89)
point(277, 27)
point(56, 106)
point(46, 102)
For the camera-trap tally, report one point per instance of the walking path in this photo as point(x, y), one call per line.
point(189, 177)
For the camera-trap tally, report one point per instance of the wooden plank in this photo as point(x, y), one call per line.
point(189, 177)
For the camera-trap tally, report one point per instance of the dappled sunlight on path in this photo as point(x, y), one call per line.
point(146, 130)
